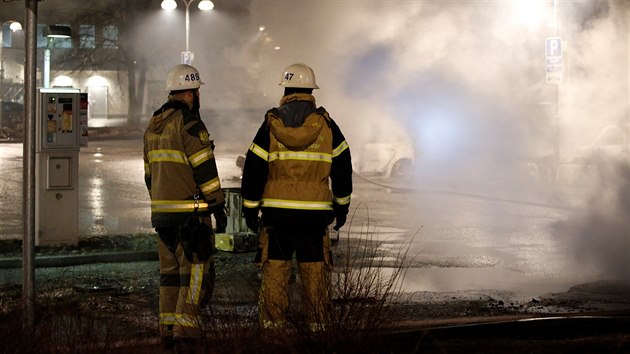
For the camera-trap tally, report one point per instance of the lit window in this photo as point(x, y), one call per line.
point(42, 40)
point(110, 37)
point(7, 32)
point(87, 35)
point(6, 36)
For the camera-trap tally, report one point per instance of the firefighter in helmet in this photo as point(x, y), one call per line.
point(298, 174)
point(182, 179)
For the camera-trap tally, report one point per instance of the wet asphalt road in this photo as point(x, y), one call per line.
point(498, 237)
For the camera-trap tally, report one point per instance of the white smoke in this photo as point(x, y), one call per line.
point(464, 81)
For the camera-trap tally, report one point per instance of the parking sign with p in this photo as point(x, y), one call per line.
point(554, 47)
point(553, 59)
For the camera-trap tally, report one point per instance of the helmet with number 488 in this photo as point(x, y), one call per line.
point(183, 77)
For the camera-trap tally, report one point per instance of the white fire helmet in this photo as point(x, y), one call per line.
point(298, 75)
point(183, 77)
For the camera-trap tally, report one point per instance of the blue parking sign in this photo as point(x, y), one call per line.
point(553, 60)
point(553, 47)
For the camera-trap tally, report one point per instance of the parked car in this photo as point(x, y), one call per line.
point(610, 145)
point(609, 148)
point(12, 115)
point(384, 159)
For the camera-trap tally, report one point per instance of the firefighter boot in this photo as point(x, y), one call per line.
point(314, 280)
point(273, 301)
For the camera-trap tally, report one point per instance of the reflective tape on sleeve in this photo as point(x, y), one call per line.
point(200, 157)
point(251, 204)
point(260, 152)
point(339, 149)
point(211, 186)
point(342, 201)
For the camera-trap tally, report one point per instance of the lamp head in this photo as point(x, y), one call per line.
point(168, 4)
point(15, 26)
point(205, 5)
point(58, 31)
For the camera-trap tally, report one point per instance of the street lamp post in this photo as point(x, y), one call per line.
point(204, 5)
point(52, 32)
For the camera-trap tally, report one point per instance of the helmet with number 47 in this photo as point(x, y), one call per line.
point(299, 76)
point(183, 77)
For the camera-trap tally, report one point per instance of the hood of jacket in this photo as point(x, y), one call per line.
point(162, 115)
point(296, 123)
point(295, 108)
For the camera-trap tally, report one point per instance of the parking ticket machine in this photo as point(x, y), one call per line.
point(58, 140)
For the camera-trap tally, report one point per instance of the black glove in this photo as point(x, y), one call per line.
point(221, 219)
point(204, 247)
point(340, 212)
point(195, 237)
point(251, 218)
point(341, 220)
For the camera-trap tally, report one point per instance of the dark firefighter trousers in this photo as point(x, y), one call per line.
point(276, 246)
point(185, 287)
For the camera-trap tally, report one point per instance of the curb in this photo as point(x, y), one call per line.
point(73, 260)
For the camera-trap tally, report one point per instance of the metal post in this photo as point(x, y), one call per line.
point(28, 202)
point(1, 76)
point(557, 98)
point(188, 2)
point(1, 84)
point(47, 67)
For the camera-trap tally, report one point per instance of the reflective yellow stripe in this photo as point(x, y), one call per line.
point(180, 319)
point(176, 206)
point(342, 201)
point(296, 204)
point(186, 320)
point(339, 149)
point(251, 204)
point(147, 169)
point(167, 156)
point(168, 318)
point(262, 153)
point(300, 155)
point(200, 157)
point(269, 324)
point(194, 289)
point(211, 186)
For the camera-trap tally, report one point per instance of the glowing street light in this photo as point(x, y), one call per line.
point(204, 5)
point(529, 12)
point(52, 32)
point(15, 26)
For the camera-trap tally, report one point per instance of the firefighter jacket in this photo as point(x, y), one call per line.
point(298, 168)
point(178, 163)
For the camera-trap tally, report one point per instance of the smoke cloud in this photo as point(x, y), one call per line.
point(464, 83)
